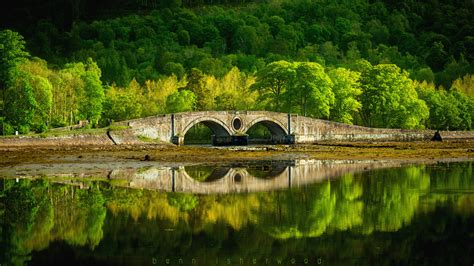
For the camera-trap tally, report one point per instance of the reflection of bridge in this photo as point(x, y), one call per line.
point(230, 127)
point(239, 179)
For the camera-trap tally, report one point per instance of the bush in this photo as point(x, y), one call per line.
point(7, 129)
point(24, 129)
point(40, 128)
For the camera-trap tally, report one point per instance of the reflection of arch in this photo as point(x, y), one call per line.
point(267, 171)
point(216, 173)
point(217, 127)
point(278, 131)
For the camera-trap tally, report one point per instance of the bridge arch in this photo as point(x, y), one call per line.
point(278, 131)
point(218, 127)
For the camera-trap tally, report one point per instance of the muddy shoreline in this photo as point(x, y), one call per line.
point(416, 151)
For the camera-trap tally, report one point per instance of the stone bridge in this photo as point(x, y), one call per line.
point(231, 127)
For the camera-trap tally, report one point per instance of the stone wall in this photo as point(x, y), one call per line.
point(56, 141)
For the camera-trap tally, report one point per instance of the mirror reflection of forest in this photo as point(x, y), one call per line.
point(389, 214)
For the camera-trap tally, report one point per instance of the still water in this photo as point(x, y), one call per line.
point(267, 213)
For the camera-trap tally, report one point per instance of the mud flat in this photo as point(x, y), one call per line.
point(98, 148)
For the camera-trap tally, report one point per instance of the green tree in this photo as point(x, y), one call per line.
point(90, 106)
point(203, 94)
point(12, 51)
point(181, 101)
point(44, 99)
point(122, 103)
point(346, 93)
point(20, 103)
point(310, 90)
point(272, 82)
point(389, 98)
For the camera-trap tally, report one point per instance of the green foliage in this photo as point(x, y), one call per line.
point(346, 91)
point(123, 103)
point(181, 101)
point(272, 82)
point(90, 104)
point(12, 52)
point(389, 98)
point(449, 110)
point(310, 91)
point(20, 103)
point(183, 202)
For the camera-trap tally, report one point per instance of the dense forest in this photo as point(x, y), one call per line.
point(400, 64)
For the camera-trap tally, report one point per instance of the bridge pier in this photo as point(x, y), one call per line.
point(177, 140)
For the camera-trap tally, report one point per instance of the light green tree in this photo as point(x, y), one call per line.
point(90, 106)
point(346, 91)
point(389, 98)
point(310, 93)
point(20, 103)
point(181, 101)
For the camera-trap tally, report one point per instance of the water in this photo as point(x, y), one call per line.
point(270, 213)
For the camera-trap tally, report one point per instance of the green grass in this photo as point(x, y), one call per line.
point(117, 127)
point(147, 139)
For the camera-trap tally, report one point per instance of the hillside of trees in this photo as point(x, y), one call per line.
point(375, 63)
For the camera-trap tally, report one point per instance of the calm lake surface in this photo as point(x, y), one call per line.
point(242, 213)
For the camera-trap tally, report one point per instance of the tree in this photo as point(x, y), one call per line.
point(346, 93)
point(122, 103)
point(90, 106)
point(12, 52)
point(389, 98)
point(197, 85)
point(310, 91)
point(42, 90)
point(181, 101)
point(20, 103)
point(246, 40)
point(272, 82)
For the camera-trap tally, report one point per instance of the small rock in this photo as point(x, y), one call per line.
point(437, 136)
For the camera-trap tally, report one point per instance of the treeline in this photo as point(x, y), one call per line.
point(36, 97)
point(433, 41)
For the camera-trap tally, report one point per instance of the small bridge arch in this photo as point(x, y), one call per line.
point(279, 133)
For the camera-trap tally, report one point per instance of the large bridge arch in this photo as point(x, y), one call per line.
point(278, 131)
point(218, 127)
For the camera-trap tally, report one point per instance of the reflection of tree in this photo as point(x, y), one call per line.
point(79, 215)
point(28, 219)
point(183, 202)
point(37, 213)
point(327, 206)
point(393, 197)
